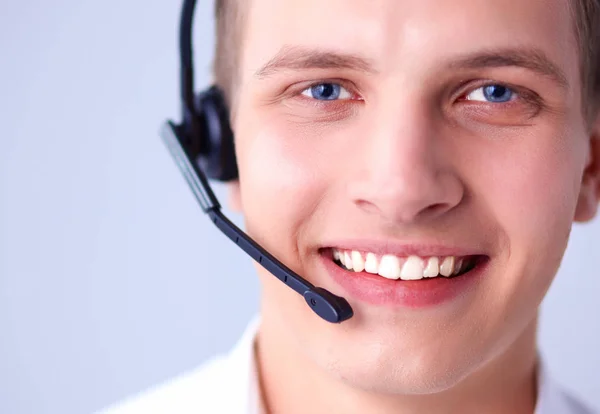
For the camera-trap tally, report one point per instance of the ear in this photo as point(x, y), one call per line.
point(589, 196)
point(234, 196)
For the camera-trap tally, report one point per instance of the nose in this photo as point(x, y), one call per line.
point(405, 172)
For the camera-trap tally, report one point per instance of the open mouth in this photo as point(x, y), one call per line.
point(405, 268)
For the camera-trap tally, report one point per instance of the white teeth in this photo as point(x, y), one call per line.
point(393, 267)
point(357, 261)
point(371, 265)
point(412, 269)
point(447, 266)
point(347, 260)
point(389, 267)
point(457, 267)
point(433, 267)
point(336, 254)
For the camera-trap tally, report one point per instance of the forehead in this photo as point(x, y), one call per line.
point(410, 34)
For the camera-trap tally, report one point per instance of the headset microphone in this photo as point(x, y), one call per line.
point(203, 143)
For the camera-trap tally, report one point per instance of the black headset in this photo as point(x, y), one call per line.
point(203, 146)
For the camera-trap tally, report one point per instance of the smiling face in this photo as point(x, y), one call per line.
point(406, 125)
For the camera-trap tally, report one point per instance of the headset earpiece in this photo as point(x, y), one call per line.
point(217, 154)
point(202, 146)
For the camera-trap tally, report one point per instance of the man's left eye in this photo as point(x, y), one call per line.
point(492, 93)
point(327, 92)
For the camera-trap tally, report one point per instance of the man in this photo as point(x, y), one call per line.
point(425, 160)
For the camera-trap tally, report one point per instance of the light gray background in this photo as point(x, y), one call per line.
point(111, 279)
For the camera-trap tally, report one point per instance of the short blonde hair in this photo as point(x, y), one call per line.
point(586, 18)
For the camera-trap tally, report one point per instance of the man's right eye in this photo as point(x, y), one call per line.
point(327, 92)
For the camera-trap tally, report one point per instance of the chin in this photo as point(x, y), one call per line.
point(400, 369)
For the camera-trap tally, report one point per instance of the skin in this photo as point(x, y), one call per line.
point(408, 159)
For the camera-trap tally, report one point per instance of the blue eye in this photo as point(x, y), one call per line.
point(491, 93)
point(327, 92)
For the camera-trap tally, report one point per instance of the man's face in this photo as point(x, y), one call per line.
point(410, 139)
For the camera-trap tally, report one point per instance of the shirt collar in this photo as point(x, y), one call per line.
point(550, 399)
point(242, 365)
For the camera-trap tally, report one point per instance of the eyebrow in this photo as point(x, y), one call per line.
point(298, 58)
point(532, 59)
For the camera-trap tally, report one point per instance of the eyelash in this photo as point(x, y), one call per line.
point(344, 84)
point(522, 94)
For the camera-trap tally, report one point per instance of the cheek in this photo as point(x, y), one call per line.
point(281, 183)
point(534, 189)
point(531, 187)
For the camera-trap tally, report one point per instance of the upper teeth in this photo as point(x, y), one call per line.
point(405, 268)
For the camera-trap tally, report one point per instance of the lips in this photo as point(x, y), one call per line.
point(414, 291)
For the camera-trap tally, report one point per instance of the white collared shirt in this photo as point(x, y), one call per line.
point(227, 384)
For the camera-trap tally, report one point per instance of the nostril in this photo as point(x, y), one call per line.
point(403, 211)
point(434, 209)
point(366, 206)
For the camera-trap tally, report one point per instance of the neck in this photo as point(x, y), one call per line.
point(506, 384)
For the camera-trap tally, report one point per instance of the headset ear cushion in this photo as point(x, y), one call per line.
point(217, 159)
